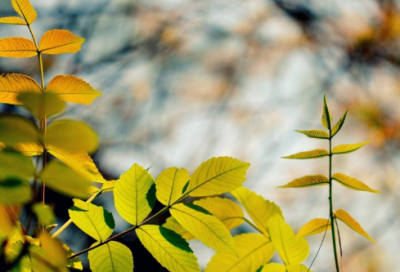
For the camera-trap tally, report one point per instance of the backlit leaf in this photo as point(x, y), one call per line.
point(111, 257)
point(352, 183)
point(307, 181)
point(29, 149)
point(11, 85)
point(14, 191)
point(343, 216)
point(58, 41)
point(291, 249)
point(12, 21)
point(134, 194)
point(254, 250)
point(17, 47)
point(217, 176)
point(326, 115)
point(54, 249)
point(72, 89)
point(41, 104)
point(168, 248)
point(108, 186)
point(94, 220)
point(347, 148)
point(206, 227)
point(169, 184)
point(44, 215)
point(6, 223)
point(319, 134)
point(16, 129)
point(172, 224)
point(298, 268)
point(315, 226)
point(339, 124)
point(74, 262)
point(13, 164)
point(273, 267)
point(25, 10)
point(313, 154)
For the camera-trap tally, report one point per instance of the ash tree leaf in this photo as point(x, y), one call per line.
point(41, 104)
point(170, 183)
point(274, 267)
point(217, 176)
point(326, 115)
point(12, 21)
point(173, 225)
point(205, 227)
point(307, 181)
point(346, 218)
point(44, 215)
point(339, 124)
point(134, 195)
point(58, 41)
point(111, 257)
point(29, 149)
point(14, 191)
point(318, 134)
point(347, 148)
point(94, 220)
point(352, 183)
point(14, 164)
point(291, 249)
point(16, 129)
point(315, 226)
point(11, 85)
point(254, 250)
point(313, 154)
point(168, 248)
point(25, 10)
point(17, 47)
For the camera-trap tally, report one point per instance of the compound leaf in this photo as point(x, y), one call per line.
point(11, 85)
point(14, 191)
point(111, 257)
point(343, 216)
point(172, 224)
point(12, 21)
point(25, 10)
point(307, 181)
point(347, 148)
point(339, 124)
point(315, 226)
point(17, 47)
point(319, 134)
point(58, 41)
point(16, 129)
point(352, 183)
point(313, 154)
point(170, 183)
point(326, 115)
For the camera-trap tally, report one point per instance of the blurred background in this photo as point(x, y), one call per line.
point(186, 80)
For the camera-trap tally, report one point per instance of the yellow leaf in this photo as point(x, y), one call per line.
point(297, 268)
point(227, 211)
point(170, 184)
point(352, 183)
point(291, 249)
point(6, 223)
point(58, 41)
point(111, 257)
point(339, 124)
point(25, 10)
point(206, 227)
point(347, 148)
point(12, 21)
point(29, 149)
point(54, 249)
point(108, 186)
point(315, 226)
point(41, 104)
point(172, 224)
point(254, 250)
point(11, 85)
point(16, 129)
point(259, 209)
point(313, 154)
point(307, 181)
point(17, 47)
point(72, 89)
point(319, 134)
point(326, 115)
point(74, 136)
point(274, 267)
point(217, 176)
point(13, 164)
point(353, 224)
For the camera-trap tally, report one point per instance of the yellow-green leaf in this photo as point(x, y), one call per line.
point(16, 129)
point(259, 209)
point(169, 184)
point(254, 250)
point(217, 176)
point(94, 220)
point(14, 191)
point(11, 85)
point(17, 47)
point(273, 267)
point(291, 249)
point(54, 249)
point(319, 134)
point(7, 223)
point(315, 226)
point(44, 215)
point(172, 224)
point(29, 149)
point(313, 154)
point(13, 164)
point(72, 89)
point(41, 104)
point(74, 262)
point(352, 183)
point(326, 115)
point(227, 211)
point(307, 181)
point(25, 10)
point(63, 179)
point(206, 227)
point(347, 148)
point(339, 124)
point(343, 216)
point(134, 194)
point(73, 136)
point(168, 248)
point(297, 268)
point(108, 186)
point(58, 41)
point(111, 257)
point(12, 21)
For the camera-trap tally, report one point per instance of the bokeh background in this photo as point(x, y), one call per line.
point(186, 80)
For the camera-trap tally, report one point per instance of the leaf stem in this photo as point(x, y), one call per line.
point(340, 245)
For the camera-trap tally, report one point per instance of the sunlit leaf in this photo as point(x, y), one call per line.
point(206, 227)
point(217, 176)
point(25, 10)
point(352, 183)
point(134, 194)
point(17, 47)
point(273, 267)
point(326, 115)
point(16, 129)
point(315, 226)
point(169, 184)
point(11, 85)
point(172, 224)
point(339, 124)
point(58, 41)
point(254, 250)
point(13, 164)
point(29, 149)
point(347, 148)
point(313, 154)
point(343, 216)
point(297, 268)
point(319, 134)
point(14, 191)
point(74, 262)
point(168, 248)
point(108, 186)
point(44, 215)
point(111, 257)
point(12, 21)
point(41, 104)
point(72, 89)
point(6, 223)
point(54, 249)
point(307, 181)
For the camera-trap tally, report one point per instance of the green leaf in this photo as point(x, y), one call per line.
point(14, 191)
point(292, 249)
point(13, 164)
point(111, 257)
point(173, 225)
point(17, 129)
point(339, 124)
point(44, 214)
point(319, 134)
point(313, 154)
point(273, 267)
point(298, 268)
point(343, 216)
point(41, 104)
point(347, 148)
point(168, 248)
point(352, 183)
point(315, 226)
point(134, 194)
point(206, 227)
point(170, 183)
point(307, 181)
point(254, 250)
point(259, 209)
point(217, 176)
point(326, 115)
point(95, 221)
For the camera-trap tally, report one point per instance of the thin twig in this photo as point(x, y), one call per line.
point(340, 245)
point(320, 246)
